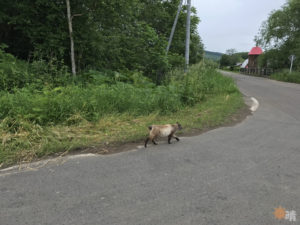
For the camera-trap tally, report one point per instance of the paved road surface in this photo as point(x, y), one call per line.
point(232, 175)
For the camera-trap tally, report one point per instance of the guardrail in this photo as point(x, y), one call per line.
point(257, 71)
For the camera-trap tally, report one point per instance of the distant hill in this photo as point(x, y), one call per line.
point(216, 56)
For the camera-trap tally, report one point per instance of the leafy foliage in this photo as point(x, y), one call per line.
point(231, 58)
point(280, 36)
point(286, 76)
point(116, 35)
point(15, 73)
point(138, 96)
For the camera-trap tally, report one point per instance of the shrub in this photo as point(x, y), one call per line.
point(136, 96)
point(13, 72)
point(286, 76)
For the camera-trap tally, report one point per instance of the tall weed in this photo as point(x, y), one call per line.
point(286, 76)
point(137, 96)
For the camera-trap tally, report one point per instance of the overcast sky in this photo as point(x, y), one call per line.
point(229, 24)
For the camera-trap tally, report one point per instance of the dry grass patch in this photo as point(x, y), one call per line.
point(25, 142)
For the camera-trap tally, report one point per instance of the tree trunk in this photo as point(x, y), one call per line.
point(71, 38)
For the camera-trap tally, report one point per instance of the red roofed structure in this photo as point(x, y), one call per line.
point(253, 55)
point(255, 51)
point(250, 66)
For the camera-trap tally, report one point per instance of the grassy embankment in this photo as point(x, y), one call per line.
point(285, 76)
point(37, 123)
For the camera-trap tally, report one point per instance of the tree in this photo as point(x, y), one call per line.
point(280, 35)
point(225, 60)
point(160, 15)
point(34, 28)
point(231, 58)
point(117, 35)
point(231, 51)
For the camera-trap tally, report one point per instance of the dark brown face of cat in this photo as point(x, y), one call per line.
point(179, 126)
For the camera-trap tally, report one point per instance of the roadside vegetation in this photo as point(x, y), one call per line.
point(103, 110)
point(279, 35)
point(124, 80)
point(286, 76)
point(115, 35)
point(231, 59)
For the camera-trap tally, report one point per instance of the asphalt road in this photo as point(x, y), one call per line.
point(230, 175)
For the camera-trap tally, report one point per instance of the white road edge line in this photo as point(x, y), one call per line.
point(34, 166)
point(255, 104)
point(253, 108)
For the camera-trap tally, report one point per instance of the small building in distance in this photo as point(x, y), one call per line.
point(252, 57)
point(245, 64)
point(250, 65)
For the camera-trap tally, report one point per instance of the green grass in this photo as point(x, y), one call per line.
point(92, 102)
point(285, 76)
point(37, 123)
point(32, 141)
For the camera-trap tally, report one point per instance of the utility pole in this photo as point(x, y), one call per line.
point(71, 38)
point(174, 26)
point(187, 38)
